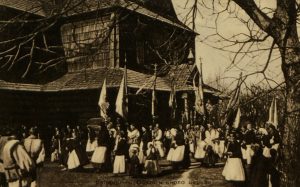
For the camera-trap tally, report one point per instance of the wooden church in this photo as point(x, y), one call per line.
point(90, 41)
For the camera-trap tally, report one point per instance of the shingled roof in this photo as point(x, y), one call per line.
point(94, 78)
point(161, 10)
point(31, 6)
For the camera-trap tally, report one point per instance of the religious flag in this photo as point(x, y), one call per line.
point(271, 113)
point(102, 103)
point(121, 101)
point(199, 95)
point(153, 102)
point(233, 104)
point(275, 122)
point(237, 120)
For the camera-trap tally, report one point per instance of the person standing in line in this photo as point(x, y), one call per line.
point(18, 165)
point(233, 170)
point(35, 148)
point(92, 142)
point(189, 138)
point(211, 135)
point(248, 142)
point(77, 157)
point(157, 138)
point(200, 148)
point(145, 139)
point(120, 152)
point(100, 153)
point(4, 137)
point(133, 136)
point(177, 157)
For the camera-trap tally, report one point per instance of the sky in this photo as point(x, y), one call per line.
point(219, 62)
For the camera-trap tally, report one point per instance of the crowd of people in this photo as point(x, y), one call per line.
point(250, 153)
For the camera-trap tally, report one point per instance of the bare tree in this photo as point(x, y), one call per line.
point(279, 27)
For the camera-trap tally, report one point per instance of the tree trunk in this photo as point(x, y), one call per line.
point(290, 166)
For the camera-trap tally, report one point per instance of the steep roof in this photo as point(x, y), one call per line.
point(164, 7)
point(161, 10)
point(31, 6)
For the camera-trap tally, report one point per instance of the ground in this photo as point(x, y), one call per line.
point(52, 176)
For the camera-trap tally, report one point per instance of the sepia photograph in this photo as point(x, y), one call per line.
point(183, 93)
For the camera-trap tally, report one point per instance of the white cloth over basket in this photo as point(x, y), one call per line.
point(176, 154)
point(99, 155)
point(233, 170)
point(73, 160)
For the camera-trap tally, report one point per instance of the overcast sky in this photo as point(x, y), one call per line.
point(219, 62)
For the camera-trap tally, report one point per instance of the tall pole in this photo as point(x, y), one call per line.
point(126, 90)
point(153, 94)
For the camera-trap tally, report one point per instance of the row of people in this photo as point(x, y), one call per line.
point(20, 160)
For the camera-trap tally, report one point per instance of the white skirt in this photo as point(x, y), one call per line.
point(233, 170)
point(170, 154)
point(200, 152)
point(73, 160)
point(99, 155)
point(119, 164)
point(177, 154)
point(91, 146)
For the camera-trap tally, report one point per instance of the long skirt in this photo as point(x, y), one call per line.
point(99, 155)
point(151, 167)
point(200, 152)
point(233, 170)
point(178, 154)
point(73, 160)
point(159, 146)
point(119, 164)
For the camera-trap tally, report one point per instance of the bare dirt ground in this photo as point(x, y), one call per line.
point(52, 176)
